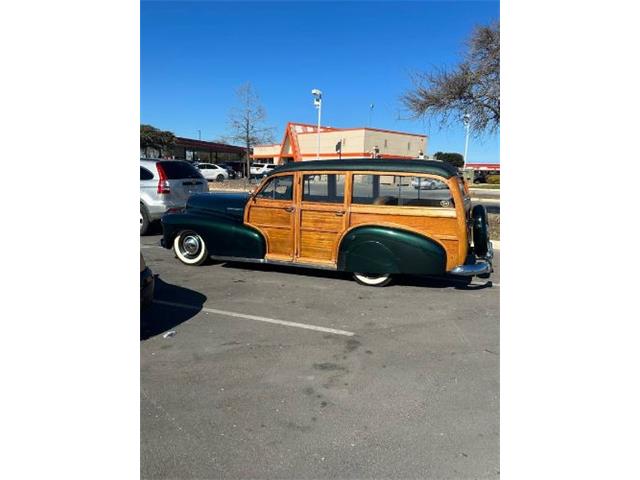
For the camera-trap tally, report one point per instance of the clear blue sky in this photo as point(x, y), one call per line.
point(195, 54)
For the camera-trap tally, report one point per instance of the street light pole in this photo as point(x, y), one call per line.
point(199, 135)
point(317, 101)
point(466, 120)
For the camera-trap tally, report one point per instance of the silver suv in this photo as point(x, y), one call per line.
point(165, 185)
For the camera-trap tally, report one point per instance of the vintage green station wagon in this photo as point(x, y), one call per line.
point(371, 217)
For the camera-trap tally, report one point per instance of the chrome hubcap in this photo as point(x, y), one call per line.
point(191, 245)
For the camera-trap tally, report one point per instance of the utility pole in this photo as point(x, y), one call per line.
point(317, 102)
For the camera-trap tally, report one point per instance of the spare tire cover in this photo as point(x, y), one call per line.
point(480, 230)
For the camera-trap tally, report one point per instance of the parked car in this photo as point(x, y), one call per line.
point(344, 215)
point(261, 170)
point(147, 283)
point(212, 172)
point(480, 177)
point(424, 183)
point(165, 186)
point(230, 170)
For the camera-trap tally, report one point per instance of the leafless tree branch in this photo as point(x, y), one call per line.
point(472, 87)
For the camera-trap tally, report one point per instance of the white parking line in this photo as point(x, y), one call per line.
point(259, 319)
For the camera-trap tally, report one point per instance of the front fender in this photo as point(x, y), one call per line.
point(222, 235)
point(378, 249)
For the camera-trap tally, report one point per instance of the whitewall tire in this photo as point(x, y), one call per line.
point(372, 280)
point(190, 248)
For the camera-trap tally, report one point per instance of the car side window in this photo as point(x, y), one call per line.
point(145, 174)
point(278, 188)
point(401, 190)
point(323, 188)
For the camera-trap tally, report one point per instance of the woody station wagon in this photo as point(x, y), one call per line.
point(371, 217)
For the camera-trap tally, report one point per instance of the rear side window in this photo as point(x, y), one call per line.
point(176, 170)
point(401, 190)
point(278, 188)
point(323, 188)
point(145, 174)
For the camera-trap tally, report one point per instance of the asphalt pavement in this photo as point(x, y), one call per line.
point(252, 371)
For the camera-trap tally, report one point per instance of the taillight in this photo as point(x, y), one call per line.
point(163, 183)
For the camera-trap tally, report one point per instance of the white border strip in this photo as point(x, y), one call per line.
point(259, 319)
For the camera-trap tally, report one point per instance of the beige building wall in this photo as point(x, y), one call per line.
point(396, 144)
point(358, 142)
point(267, 149)
point(352, 142)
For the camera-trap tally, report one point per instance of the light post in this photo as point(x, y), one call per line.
point(370, 113)
point(317, 102)
point(199, 135)
point(466, 121)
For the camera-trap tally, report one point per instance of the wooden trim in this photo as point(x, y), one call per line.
point(404, 210)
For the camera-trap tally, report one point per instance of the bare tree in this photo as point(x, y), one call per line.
point(473, 87)
point(247, 122)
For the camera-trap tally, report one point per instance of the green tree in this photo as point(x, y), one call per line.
point(152, 137)
point(455, 159)
point(472, 87)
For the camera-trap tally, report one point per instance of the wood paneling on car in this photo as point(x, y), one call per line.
point(275, 221)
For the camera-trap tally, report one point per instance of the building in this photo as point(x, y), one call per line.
point(484, 167)
point(201, 151)
point(300, 143)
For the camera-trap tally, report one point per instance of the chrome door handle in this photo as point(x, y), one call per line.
point(289, 209)
point(340, 213)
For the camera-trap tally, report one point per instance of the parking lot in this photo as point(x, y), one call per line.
point(277, 372)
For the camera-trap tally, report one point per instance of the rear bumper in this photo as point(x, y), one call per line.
point(481, 266)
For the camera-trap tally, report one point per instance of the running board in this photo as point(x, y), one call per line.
point(264, 261)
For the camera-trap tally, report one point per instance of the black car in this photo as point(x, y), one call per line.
point(232, 173)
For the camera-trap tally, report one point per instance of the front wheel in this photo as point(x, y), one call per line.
point(220, 178)
point(372, 280)
point(190, 248)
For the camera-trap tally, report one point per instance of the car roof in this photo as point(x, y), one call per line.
point(433, 167)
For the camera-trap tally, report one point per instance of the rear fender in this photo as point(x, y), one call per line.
point(378, 249)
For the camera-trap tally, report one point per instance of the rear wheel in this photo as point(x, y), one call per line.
point(190, 248)
point(144, 220)
point(372, 279)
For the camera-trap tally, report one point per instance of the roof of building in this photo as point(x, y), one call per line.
point(363, 164)
point(213, 146)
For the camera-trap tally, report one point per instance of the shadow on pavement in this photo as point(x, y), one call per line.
point(158, 317)
point(459, 283)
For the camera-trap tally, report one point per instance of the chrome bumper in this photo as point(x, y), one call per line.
point(482, 266)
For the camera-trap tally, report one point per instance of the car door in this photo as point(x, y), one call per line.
point(321, 218)
point(271, 211)
point(205, 169)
